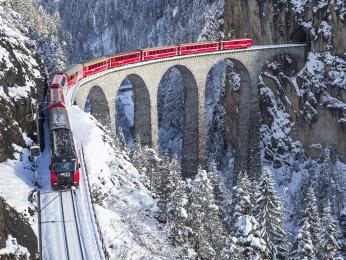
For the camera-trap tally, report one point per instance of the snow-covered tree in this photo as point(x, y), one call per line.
point(168, 178)
point(303, 248)
point(146, 162)
point(245, 229)
point(208, 235)
point(328, 245)
point(270, 215)
point(120, 141)
point(178, 217)
point(311, 216)
point(342, 235)
point(136, 153)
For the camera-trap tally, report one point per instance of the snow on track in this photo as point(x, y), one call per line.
point(90, 234)
point(82, 238)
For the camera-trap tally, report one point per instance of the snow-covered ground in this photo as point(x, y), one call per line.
point(81, 242)
point(124, 208)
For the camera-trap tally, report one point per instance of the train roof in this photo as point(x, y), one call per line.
point(198, 43)
point(58, 118)
point(93, 61)
point(240, 39)
point(57, 79)
point(73, 69)
point(160, 48)
point(62, 143)
point(122, 53)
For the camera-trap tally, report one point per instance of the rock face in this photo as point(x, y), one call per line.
point(314, 99)
point(21, 83)
point(12, 223)
point(273, 21)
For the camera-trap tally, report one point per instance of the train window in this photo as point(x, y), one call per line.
point(63, 81)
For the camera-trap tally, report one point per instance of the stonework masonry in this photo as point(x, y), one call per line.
point(146, 76)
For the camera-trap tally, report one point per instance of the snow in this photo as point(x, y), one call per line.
point(320, 5)
point(12, 247)
point(16, 182)
point(325, 29)
point(126, 99)
point(299, 5)
point(124, 208)
point(175, 11)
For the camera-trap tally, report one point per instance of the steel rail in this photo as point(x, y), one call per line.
point(64, 226)
point(87, 191)
point(76, 222)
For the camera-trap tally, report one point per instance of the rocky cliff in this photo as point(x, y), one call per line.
point(321, 22)
point(22, 84)
point(313, 96)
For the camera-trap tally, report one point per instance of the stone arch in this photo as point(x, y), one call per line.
point(98, 105)
point(235, 103)
point(141, 100)
point(190, 133)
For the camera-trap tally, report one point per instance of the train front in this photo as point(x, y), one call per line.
point(64, 165)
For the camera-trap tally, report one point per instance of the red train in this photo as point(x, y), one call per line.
point(88, 68)
point(64, 164)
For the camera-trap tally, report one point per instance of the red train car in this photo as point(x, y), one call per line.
point(158, 53)
point(94, 66)
point(236, 44)
point(74, 73)
point(56, 91)
point(124, 58)
point(201, 47)
point(64, 164)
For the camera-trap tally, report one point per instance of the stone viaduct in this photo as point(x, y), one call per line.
point(102, 88)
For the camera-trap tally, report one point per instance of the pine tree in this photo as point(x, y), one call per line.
point(168, 178)
point(245, 229)
point(136, 154)
point(120, 140)
point(303, 248)
point(310, 214)
point(328, 245)
point(270, 214)
point(342, 235)
point(208, 234)
point(178, 216)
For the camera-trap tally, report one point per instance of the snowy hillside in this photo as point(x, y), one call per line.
point(22, 81)
point(125, 208)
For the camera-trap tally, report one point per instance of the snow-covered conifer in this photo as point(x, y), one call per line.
point(208, 234)
point(245, 229)
point(270, 215)
point(168, 177)
point(342, 234)
point(303, 248)
point(310, 214)
point(178, 216)
point(328, 245)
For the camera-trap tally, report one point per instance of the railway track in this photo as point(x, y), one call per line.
point(64, 239)
point(70, 226)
